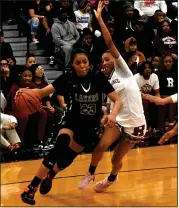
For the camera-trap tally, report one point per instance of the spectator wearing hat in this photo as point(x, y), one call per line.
point(125, 23)
point(64, 34)
point(131, 49)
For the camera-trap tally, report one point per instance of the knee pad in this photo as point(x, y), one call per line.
point(50, 159)
point(60, 148)
point(66, 158)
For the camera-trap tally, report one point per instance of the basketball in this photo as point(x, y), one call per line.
point(28, 101)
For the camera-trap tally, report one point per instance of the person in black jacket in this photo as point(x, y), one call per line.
point(5, 48)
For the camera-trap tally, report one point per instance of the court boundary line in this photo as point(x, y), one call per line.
point(74, 176)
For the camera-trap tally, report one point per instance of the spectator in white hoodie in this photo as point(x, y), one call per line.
point(8, 124)
point(147, 8)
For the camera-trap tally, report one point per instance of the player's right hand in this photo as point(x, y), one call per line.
point(99, 10)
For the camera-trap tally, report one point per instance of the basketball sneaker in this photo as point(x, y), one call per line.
point(28, 195)
point(46, 185)
point(101, 186)
point(85, 181)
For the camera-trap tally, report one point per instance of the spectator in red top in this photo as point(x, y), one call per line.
point(38, 119)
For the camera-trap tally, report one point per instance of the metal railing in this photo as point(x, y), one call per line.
point(24, 29)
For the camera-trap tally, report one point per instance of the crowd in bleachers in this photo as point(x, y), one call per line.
point(144, 31)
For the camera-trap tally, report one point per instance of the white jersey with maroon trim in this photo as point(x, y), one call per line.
point(123, 81)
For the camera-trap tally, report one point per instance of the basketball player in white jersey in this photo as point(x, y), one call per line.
point(131, 124)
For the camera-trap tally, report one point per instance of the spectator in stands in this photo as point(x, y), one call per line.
point(164, 41)
point(5, 48)
point(87, 43)
point(148, 83)
point(168, 81)
point(125, 23)
point(38, 79)
point(133, 63)
point(153, 23)
point(131, 49)
point(68, 6)
point(143, 39)
point(107, 15)
point(15, 70)
point(37, 9)
point(5, 77)
point(9, 136)
point(37, 119)
point(147, 8)
point(64, 34)
point(83, 18)
point(155, 64)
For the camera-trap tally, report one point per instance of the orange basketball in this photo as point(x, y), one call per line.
point(28, 101)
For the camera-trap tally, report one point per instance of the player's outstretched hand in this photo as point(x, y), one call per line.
point(152, 99)
point(99, 10)
point(167, 136)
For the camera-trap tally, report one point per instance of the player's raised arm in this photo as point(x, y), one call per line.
point(124, 71)
point(105, 31)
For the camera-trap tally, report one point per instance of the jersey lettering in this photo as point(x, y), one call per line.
point(87, 109)
point(170, 82)
point(139, 131)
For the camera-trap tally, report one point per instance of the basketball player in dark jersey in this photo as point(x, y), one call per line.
point(85, 87)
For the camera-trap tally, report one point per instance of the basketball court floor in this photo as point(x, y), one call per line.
point(148, 178)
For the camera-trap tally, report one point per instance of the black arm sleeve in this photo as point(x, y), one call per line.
point(60, 85)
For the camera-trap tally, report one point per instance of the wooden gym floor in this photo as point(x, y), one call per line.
point(148, 178)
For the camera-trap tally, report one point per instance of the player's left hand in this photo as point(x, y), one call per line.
point(111, 120)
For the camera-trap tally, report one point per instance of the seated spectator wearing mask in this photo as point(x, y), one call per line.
point(64, 34)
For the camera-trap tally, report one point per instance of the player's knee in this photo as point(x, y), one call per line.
point(66, 159)
point(101, 147)
point(62, 143)
point(58, 151)
point(50, 159)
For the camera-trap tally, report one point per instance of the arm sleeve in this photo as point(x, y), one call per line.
point(121, 68)
point(60, 85)
point(174, 98)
